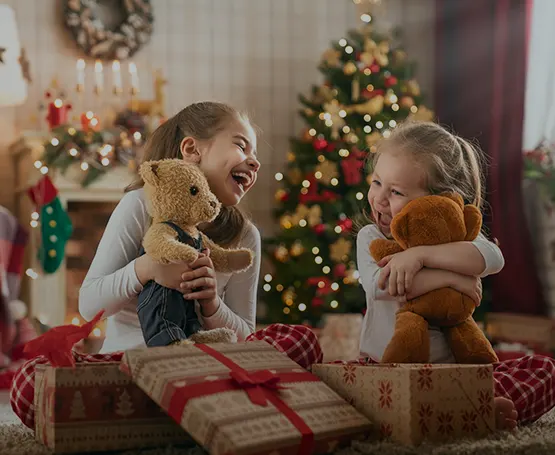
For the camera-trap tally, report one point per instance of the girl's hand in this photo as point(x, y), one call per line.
point(468, 285)
point(400, 269)
point(199, 283)
point(168, 275)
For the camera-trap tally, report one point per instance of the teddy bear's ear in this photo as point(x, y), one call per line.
point(149, 172)
point(455, 197)
point(473, 222)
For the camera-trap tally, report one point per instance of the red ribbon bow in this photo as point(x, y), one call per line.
point(255, 384)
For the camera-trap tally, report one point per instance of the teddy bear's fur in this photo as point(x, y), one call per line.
point(178, 191)
point(434, 220)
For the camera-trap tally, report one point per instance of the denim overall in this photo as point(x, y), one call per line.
point(165, 316)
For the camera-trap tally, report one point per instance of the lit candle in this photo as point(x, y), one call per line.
point(134, 78)
point(80, 75)
point(117, 77)
point(99, 77)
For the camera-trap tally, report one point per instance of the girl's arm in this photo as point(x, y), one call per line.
point(239, 310)
point(478, 258)
point(112, 280)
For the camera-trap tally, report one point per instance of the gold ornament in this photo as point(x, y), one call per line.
point(352, 138)
point(288, 296)
point(375, 53)
point(290, 156)
point(355, 89)
point(328, 169)
point(52, 253)
point(413, 88)
point(367, 57)
point(312, 215)
point(350, 68)
point(333, 109)
point(373, 138)
point(281, 253)
point(351, 275)
point(422, 114)
point(297, 248)
point(309, 112)
point(295, 175)
point(285, 222)
point(332, 57)
point(305, 135)
point(280, 194)
point(399, 56)
point(325, 93)
point(52, 223)
point(340, 250)
point(369, 179)
point(373, 106)
point(406, 101)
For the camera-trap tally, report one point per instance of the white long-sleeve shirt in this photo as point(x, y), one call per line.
point(379, 321)
point(112, 284)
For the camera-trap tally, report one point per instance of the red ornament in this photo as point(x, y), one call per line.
point(329, 196)
point(391, 81)
point(339, 270)
point(319, 144)
point(317, 301)
point(345, 225)
point(284, 197)
point(331, 147)
point(375, 68)
point(352, 170)
point(357, 153)
point(319, 229)
point(312, 194)
point(57, 113)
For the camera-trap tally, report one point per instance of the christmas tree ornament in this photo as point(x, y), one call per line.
point(421, 114)
point(319, 144)
point(290, 156)
point(285, 222)
point(372, 106)
point(413, 88)
point(288, 296)
point(55, 224)
point(355, 89)
point(340, 250)
point(351, 138)
point(390, 81)
point(317, 302)
point(296, 249)
point(314, 215)
point(309, 112)
point(406, 102)
point(349, 68)
point(331, 58)
point(352, 170)
point(334, 117)
point(319, 229)
point(306, 136)
point(294, 175)
point(351, 275)
point(399, 56)
point(281, 195)
point(327, 171)
point(281, 253)
point(339, 270)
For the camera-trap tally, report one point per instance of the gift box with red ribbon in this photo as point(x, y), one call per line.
point(245, 398)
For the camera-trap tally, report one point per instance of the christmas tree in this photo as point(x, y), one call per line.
point(368, 89)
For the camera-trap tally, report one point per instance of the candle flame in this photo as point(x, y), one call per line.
point(80, 64)
point(98, 66)
point(115, 65)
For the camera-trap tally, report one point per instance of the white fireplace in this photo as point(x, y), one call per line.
point(52, 298)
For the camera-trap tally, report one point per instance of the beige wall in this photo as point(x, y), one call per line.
point(256, 54)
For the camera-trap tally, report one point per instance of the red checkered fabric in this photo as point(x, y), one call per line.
point(23, 386)
point(529, 382)
point(297, 341)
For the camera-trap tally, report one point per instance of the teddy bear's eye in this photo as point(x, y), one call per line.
point(193, 190)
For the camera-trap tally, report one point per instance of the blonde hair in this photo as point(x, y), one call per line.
point(202, 121)
point(451, 162)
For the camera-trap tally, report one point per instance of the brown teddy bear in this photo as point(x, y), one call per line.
point(178, 200)
point(434, 220)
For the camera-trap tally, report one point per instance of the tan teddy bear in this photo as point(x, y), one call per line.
point(178, 200)
point(434, 220)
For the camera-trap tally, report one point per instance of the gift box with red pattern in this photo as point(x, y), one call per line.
point(413, 403)
point(95, 407)
point(245, 398)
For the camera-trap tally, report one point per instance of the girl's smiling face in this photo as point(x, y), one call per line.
point(397, 179)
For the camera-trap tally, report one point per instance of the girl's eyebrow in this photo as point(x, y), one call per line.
point(246, 141)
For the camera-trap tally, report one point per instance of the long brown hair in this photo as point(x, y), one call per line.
point(202, 121)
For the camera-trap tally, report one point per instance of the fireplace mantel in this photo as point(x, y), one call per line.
point(46, 295)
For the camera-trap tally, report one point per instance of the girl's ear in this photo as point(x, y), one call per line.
point(189, 150)
point(149, 172)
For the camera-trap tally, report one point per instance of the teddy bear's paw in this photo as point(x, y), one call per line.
point(240, 259)
point(221, 335)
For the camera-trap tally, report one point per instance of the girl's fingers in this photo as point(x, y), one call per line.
point(197, 273)
point(393, 283)
point(203, 282)
point(205, 294)
point(384, 261)
point(202, 261)
point(384, 275)
point(400, 283)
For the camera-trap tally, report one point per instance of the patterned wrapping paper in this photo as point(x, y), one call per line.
point(245, 399)
point(96, 407)
point(410, 403)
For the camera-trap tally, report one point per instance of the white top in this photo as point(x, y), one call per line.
point(379, 321)
point(112, 284)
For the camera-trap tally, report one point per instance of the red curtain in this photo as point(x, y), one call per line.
point(480, 76)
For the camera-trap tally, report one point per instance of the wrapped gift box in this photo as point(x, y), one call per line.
point(411, 403)
point(96, 407)
point(245, 398)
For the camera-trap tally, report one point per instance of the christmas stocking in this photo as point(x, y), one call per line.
point(55, 224)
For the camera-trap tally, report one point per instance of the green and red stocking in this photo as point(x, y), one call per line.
point(55, 224)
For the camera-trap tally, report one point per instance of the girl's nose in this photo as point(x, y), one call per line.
point(253, 163)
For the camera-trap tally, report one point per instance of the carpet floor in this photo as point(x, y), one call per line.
point(536, 439)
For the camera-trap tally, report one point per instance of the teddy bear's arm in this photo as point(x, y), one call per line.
point(381, 248)
point(473, 222)
point(228, 260)
point(161, 244)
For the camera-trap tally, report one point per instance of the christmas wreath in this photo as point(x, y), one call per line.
point(97, 40)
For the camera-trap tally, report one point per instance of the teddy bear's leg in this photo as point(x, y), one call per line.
point(221, 335)
point(410, 342)
point(469, 344)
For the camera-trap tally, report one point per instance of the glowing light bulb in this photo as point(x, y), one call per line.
point(75, 321)
point(34, 223)
point(346, 129)
point(31, 274)
point(342, 42)
point(328, 123)
point(338, 229)
point(279, 176)
point(89, 115)
point(267, 287)
point(73, 151)
point(268, 277)
point(72, 131)
point(318, 174)
point(366, 18)
point(334, 181)
point(334, 303)
point(44, 170)
point(367, 71)
point(105, 161)
point(58, 103)
point(97, 332)
point(35, 215)
point(84, 166)
point(315, 250)
point(379, 124)
point(38, 164)
point(367, 117)
point(349, 50)
point(367, 129)
point(334, 286)
point(306, 183)
point(326, 269)
point(55, 142)
point(342, 113)
point(302, 223)
point(392, 123)
point(395, 107)
point(312, 132)
point(414, 109)
point(360, 196)
point(302, 307)
point(318, 260)
point(286, 310)
point(343, 152)
point(386, 133)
